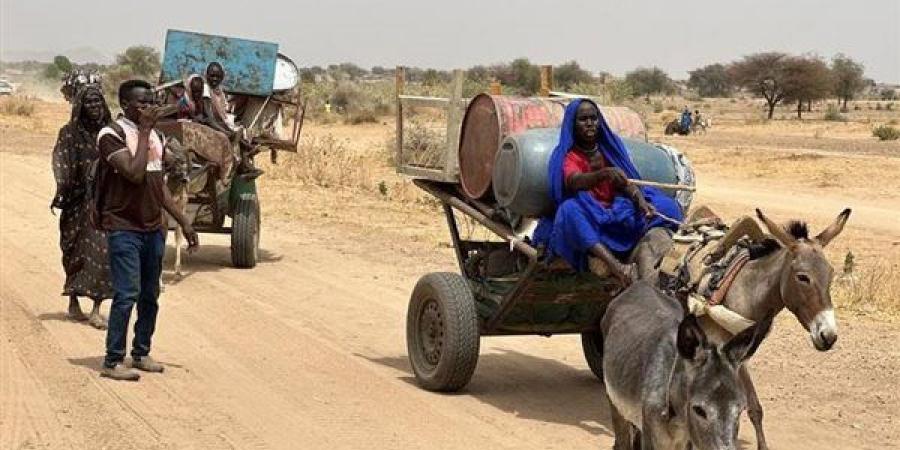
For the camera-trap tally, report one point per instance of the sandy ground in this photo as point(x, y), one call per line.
point(308, 351)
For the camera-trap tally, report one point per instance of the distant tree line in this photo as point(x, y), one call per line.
point(776, 77)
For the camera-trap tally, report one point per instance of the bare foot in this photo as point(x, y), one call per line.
point(75, 312)
point(97, 321)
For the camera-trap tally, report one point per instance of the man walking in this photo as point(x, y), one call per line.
point(131, 196)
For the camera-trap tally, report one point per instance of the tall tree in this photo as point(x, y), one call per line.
point(807, 79)
point(849, 78)
point(62, 63)
point(569, 74)
point(141, 60)
point(763, 74)
point(711, 81)
point(647, 81)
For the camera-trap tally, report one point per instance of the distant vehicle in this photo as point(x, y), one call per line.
point(6, 88)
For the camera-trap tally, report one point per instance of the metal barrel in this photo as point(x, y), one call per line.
point(489, 119)
point(520, 171)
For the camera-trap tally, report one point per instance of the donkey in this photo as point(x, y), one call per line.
point(792, 274)
point(668, 386)
point(178, 166)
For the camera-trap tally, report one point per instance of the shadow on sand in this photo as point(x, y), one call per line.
point(530, 387)
point(208, 258)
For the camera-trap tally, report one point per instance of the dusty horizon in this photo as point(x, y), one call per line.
point(649, 33)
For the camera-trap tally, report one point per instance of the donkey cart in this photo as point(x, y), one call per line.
point(497, 292)
point(261, 83)
point(487, 163)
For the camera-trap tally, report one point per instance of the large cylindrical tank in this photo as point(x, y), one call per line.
point(520, 170)
point(490, 119)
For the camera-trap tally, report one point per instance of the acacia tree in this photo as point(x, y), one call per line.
point(711, 81)
point(141, 60)
point(647, 81)
point(848, 78)
point(763, 74)
point(570, 74)
point(807, 79)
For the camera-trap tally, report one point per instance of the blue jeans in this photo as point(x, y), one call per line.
point(135, 262)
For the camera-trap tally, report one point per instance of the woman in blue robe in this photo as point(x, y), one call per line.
point(586, 221)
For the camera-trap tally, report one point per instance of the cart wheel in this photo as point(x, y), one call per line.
point(245, 232)
point(442, 332)
point(592, 344)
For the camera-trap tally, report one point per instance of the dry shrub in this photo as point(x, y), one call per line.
point(423, 146)
point(834, 115)
point(325, 162)
point(871, 289)
point(886, 133)
point(17, 106)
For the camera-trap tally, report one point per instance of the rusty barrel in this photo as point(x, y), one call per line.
point(490, 119)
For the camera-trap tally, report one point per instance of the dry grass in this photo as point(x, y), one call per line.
point(870, 290)
point(17, 106)
point(325, 162)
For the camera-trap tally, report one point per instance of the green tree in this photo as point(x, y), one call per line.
point(807, 79)
point(570, 74)
point(143, 61)
point(51, 71)
point(763, 74)
point(849, 78)
point(647, 81)
point(521, 75)
point(711, 81)
point(62, 63)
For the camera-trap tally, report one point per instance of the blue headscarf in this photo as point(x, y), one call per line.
point(580, 221)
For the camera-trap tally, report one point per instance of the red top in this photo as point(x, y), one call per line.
point(577, 162)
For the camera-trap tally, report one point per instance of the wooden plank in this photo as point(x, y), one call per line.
point(399, 81)
point(424, 102)
point(454, 124)
point(496, 88)
point(546, 80)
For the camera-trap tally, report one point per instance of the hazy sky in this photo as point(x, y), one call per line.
point(615, 36)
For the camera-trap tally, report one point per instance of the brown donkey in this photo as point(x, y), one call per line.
point(793, 274)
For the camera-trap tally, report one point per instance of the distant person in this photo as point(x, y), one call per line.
point(685, 120)
point(84, 249)
point(698, 122)
point(132, 195)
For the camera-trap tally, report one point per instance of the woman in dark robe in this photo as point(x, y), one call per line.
point(599, 212)
point(84, 248)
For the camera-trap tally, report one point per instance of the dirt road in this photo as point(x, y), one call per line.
point(308, 351)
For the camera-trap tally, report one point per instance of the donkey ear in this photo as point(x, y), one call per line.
point(741, 347)
point(691, 339)
point(776, 230)
point(834, 229)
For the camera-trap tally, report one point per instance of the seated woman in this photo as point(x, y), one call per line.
point(599, 213)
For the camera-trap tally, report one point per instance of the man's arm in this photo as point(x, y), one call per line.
point(133, 168)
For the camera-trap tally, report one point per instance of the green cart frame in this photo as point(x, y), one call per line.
point(503, 288)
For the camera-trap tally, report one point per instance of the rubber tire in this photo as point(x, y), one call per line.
point(592, 346)
point(245, 227)
point(459, 353)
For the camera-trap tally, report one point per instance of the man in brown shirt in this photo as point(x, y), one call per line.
point(132, 195)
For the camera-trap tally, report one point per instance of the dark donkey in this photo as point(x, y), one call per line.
point(793, 274)
point(668, 386)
